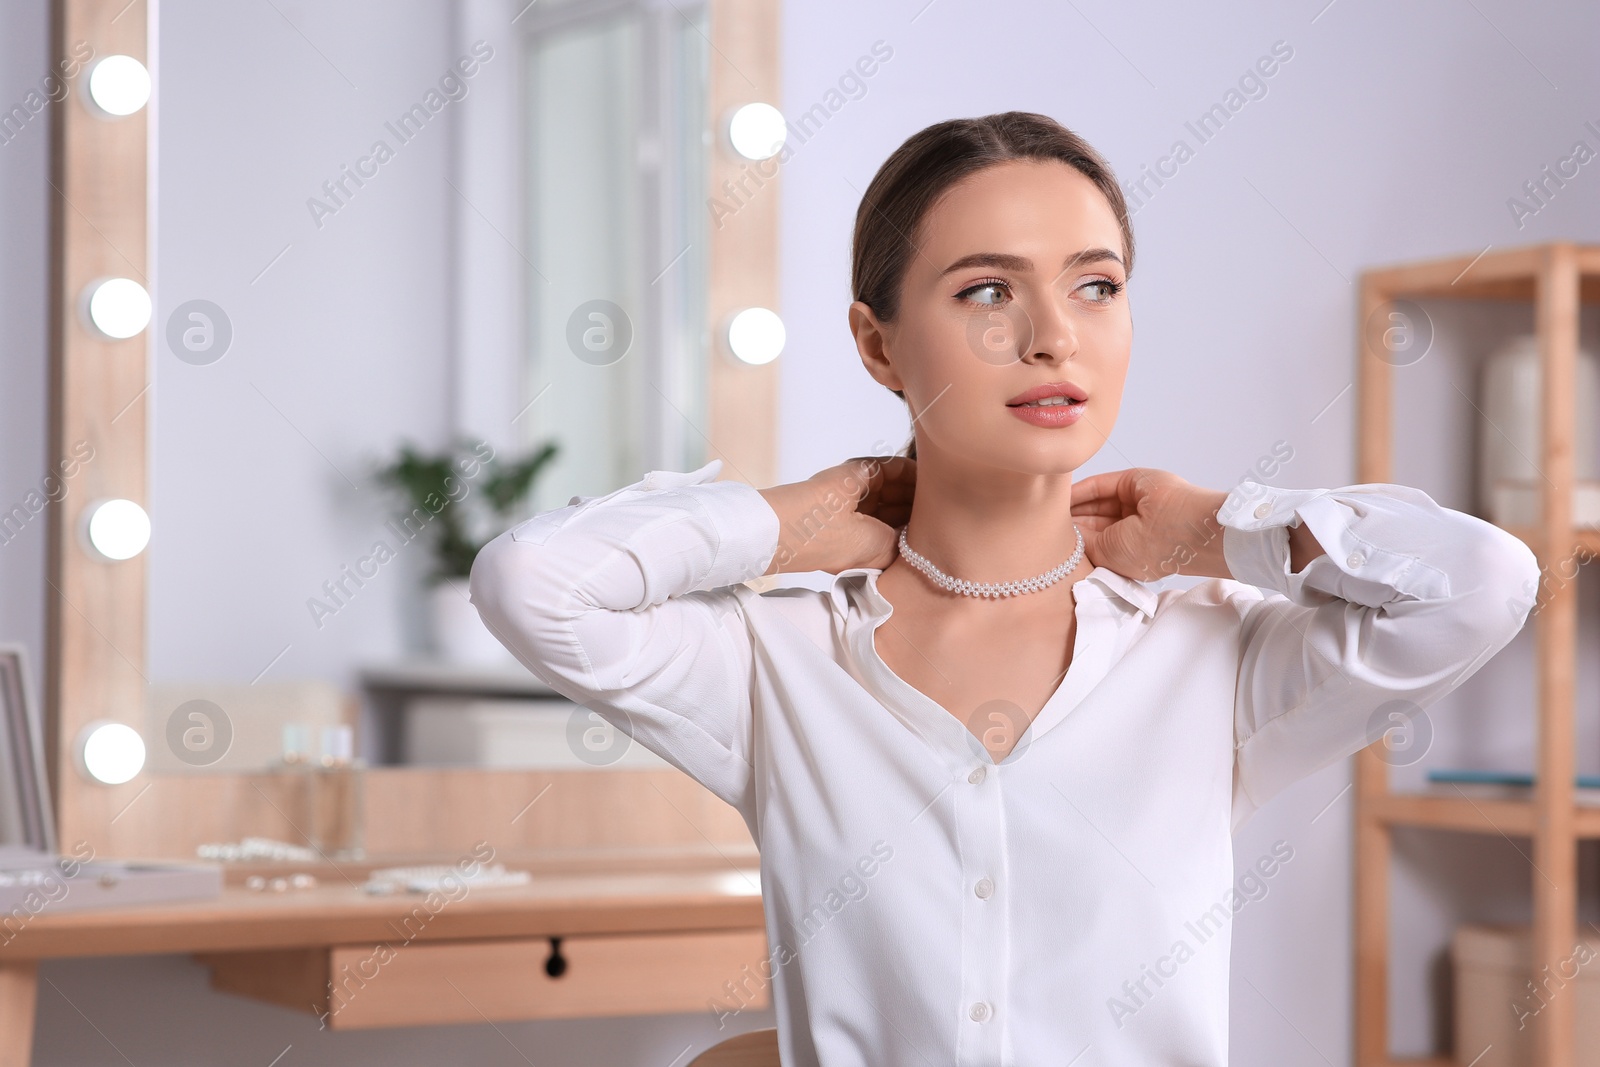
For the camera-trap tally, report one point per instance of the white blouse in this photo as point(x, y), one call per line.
point(1069, 905)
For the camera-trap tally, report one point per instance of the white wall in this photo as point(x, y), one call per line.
point(1393, 133)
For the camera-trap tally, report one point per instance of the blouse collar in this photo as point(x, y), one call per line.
point(1135, 594)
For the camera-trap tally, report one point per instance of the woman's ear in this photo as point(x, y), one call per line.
point(872, 342)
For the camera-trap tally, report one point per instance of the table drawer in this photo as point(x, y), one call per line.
point(358, 987)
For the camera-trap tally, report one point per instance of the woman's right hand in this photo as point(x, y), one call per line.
point(843, 517)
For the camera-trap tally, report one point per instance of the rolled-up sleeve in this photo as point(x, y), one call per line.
point(629, 604)
point(1407, 601)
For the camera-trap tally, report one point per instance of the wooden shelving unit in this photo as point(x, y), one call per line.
point(1557, 279)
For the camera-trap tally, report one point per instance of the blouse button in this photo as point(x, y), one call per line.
point(979, 1012)
point(984, 889)
point(976, 776)
point(1263, 509)
point(1356, 559)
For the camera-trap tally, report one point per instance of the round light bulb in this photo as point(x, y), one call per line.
point(116, 529)
point(757, 131)
point(756, 335)
point(117, 308)
point(110, 752)
point(119, 85)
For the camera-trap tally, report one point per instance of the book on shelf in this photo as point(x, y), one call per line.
point(1451, 776)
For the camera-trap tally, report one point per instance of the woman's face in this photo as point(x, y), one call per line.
point(1016, 289)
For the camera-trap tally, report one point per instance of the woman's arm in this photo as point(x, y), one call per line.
point(1406, 603)
point(622, 603)
point(1385, 603)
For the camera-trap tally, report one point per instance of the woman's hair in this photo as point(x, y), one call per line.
point(932, 161)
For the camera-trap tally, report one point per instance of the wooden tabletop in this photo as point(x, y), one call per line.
point(563, 898)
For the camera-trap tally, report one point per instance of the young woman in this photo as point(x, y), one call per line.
point(993, 775)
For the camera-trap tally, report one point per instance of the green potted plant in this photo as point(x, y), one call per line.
point(456, 500)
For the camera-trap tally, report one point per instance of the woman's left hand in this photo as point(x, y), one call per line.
point(1145, 524)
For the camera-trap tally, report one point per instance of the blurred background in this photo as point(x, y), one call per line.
point(527, 261)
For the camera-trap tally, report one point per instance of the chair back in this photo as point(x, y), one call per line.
point(758, 1048)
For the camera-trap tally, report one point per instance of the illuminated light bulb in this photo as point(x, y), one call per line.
point(110, 752)
point(756, 336)
point(119, 85)
point(116, 529)
point(757, 131)
point(117, 308)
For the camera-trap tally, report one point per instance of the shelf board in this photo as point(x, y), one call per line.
point(510, 679)
point(1504, 274)
point(1509, 815)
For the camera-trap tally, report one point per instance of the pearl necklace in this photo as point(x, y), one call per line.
point(991, 589)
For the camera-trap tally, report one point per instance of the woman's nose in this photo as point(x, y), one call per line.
point(1054, 337)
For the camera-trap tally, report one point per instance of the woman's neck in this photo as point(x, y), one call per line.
point(991, 525)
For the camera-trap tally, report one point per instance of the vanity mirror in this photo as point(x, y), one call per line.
point(325, 235)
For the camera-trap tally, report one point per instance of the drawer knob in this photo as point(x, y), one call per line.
point(556, 965)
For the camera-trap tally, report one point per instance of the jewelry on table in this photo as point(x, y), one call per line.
point(991, 589)
point(256, 848)
point(259, 883)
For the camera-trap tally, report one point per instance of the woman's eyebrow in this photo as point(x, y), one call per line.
point(991, 259)
point(1006, 261)
point(1091, 255)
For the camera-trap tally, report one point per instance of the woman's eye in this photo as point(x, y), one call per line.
point(985, 293)
point(1108, 289)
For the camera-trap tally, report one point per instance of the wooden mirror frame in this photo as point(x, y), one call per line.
point(96, 610)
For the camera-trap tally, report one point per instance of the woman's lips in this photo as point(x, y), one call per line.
point(1069, 390)
point(1049, 415)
